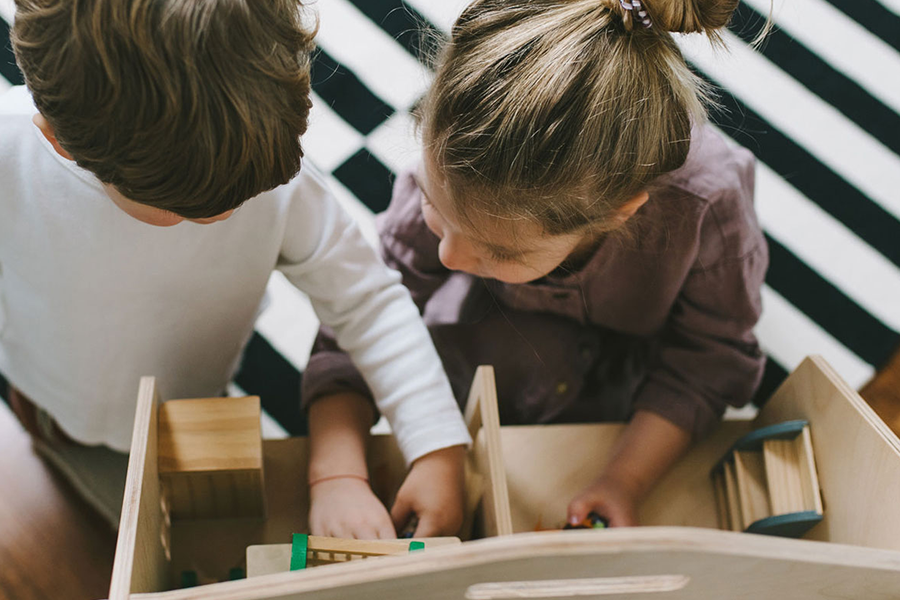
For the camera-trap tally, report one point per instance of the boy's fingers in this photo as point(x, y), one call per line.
point(428, 527)
point(401, 513)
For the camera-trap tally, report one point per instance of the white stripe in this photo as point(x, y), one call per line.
point(374, 56)
point(7, 10)
point(807, 119)
point(395, 143)
point(828, 247)
point(892, 5)
point(843, 42)
point(330, 140)
point(364, 217)
point(288, 322)
point(789, 336)
point(441, 13)
point(4, 85)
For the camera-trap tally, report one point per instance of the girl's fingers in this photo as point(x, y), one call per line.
point(578, 511)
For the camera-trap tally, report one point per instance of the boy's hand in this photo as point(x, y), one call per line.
point(613, 500)
point(434, 493)
point(347, 508)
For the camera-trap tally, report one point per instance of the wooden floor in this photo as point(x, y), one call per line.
point(52, 547)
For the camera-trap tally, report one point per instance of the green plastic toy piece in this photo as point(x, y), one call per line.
point(188, 579)
point(299, 548)
point(413, 546)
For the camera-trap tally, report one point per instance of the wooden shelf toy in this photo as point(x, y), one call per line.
point(767, 482)
point(523, 478)
point(210, 458)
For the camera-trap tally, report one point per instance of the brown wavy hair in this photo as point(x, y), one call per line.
point(191, 106)
point(560, 111)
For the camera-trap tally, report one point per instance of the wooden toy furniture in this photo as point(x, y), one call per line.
point(853, 553)
point(767, 482)
point(210, 458)
point(267, 559)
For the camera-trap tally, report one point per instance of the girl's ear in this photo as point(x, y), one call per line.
point(47, 130)
point(627, 210)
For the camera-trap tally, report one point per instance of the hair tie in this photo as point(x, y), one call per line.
point(635, 6)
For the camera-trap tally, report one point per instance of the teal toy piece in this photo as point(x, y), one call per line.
point(753, 441)
point(791, 525)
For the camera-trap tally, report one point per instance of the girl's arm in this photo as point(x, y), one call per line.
point(642, 454)
point(341, 501)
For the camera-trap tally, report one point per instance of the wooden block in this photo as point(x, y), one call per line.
point(736, 517)
point(210, 457)
point(210, 434)
point(752, 488)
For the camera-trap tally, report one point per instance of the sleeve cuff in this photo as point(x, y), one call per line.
point(682, 407)
point(330, 373)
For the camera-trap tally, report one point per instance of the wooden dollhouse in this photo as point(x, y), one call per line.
point(521, 480)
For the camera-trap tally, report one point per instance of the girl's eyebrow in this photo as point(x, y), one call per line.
point(489, 246)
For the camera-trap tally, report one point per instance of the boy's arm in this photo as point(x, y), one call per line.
point(373, 318)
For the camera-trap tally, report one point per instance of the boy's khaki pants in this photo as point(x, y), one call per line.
point(96, 472)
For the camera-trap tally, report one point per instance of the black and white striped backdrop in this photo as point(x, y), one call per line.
point(819, 105)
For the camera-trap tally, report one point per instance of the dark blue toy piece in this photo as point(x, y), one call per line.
point(792, 525)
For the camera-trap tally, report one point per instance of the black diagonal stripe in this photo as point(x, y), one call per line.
point(874, 16)
point(347, 95)
point(403, 23)
point(852, 326)
point(368, 179)
point(819, 77)
point(773, 376)
point(266, 373)
point(8, 68)
point(797, 166)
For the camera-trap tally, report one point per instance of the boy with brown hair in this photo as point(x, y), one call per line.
point(128, 247)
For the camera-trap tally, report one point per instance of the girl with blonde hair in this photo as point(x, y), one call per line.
point(576, 223)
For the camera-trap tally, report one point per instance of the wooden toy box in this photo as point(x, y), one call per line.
point(528, 475)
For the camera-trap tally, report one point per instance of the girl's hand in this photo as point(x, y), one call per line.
point(434, 493)
point(609, 498)
point(347, 508)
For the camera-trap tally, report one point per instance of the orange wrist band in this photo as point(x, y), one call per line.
point(329, 478)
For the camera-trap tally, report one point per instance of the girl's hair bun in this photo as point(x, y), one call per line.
point(691, 16)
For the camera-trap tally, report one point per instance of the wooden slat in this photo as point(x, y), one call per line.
point(141, 564)
point(483, 420)
point(752, 488)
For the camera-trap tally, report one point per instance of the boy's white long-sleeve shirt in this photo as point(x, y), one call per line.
point(92, 299)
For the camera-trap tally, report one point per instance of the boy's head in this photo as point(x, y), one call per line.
point(186, 106)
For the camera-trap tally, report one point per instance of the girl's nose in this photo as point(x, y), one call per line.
point(456, 255)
